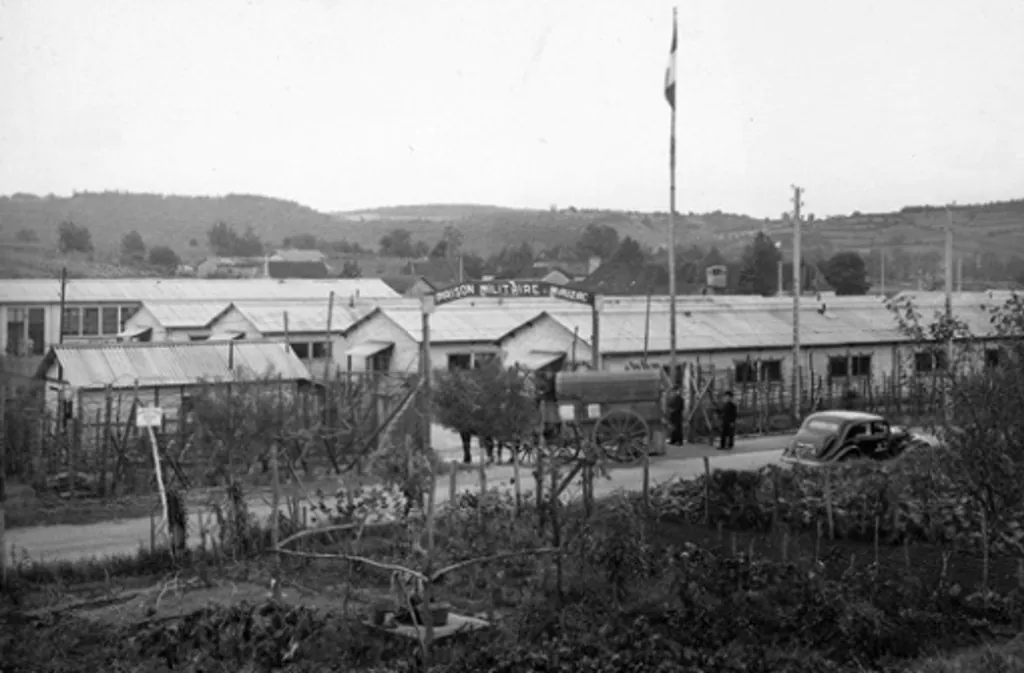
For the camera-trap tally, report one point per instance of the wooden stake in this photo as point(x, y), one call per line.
point(453, 482)
point(3, 485)
point(159, 475)
point(515, 479)
point(647, 477)
point(707, 490)
point(275, 518)
point(828, 505)
point(483, 478)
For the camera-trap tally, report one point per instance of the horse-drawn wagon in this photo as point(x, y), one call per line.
point(622, 413)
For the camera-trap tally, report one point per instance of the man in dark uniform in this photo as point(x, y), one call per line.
point(675, 416)
point(728, 413)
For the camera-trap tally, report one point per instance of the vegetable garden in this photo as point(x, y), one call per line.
point(912, 565)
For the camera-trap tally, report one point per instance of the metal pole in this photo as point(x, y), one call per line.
point(427, 308)
point(595, 330)
point(797, 289)
point(672, 214)
point(327, 335)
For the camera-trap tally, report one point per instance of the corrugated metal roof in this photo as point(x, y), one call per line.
point(481, 325)
point(711, 328)
point(268, 318)
point(185, 315)
point(45, 290)
point(173, 364)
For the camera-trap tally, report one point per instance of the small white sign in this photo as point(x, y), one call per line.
point(427, 304)
point(149, 417)
point(567, 412)
point(593, 411)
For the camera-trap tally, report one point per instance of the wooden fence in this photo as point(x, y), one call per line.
point(49, 447)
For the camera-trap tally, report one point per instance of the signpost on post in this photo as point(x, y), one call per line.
point(516, 289)
point(504, 289)
point(149, 418)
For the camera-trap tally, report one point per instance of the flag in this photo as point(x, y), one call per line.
point(670, 71)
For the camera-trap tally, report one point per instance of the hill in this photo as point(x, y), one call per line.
point(182, 223)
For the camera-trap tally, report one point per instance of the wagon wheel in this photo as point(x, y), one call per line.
point(621, 434)
point(565, 448)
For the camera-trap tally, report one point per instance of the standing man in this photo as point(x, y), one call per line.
point(728, 413)
point(675, 416)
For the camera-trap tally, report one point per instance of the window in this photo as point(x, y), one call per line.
point(992, 357)
point(929, 361)
point(90, 322)
point(746, 372)
point(126, 313)
point(111, 323)
point(838, 367)
point(381, 362)
point(16, 331)
point(72, 322)
point(36, 331)
point(459, 361)
point(860, 365)
point(301, 350)
point(483, 359)
point(771, 370)
point(320, 349)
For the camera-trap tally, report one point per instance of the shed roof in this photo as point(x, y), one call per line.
point(185, 315)
point(99, 290)
point(451, 326)
point(268, 318)
point(98, 365)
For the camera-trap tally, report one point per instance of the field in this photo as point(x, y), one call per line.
point(784, 580)
point(182, 223)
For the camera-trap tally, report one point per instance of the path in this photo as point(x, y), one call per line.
point(51, 543)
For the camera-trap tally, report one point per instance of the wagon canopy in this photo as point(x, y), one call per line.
point(594, 387)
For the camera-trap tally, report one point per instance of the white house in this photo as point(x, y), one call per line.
point(173, 321)
point(303, 324)
point(388, 339)
point(99, 308)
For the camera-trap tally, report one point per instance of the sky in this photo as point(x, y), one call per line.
point(868, 105)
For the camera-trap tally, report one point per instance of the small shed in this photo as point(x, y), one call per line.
point(163, 374)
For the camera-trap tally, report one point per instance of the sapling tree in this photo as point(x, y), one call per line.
point(984, 430)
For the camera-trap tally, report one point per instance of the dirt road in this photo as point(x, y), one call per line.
point(51, 543)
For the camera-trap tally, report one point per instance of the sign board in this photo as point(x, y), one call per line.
point(566, 412)
point(593, 411)
point(512, 289)
point(149, 417)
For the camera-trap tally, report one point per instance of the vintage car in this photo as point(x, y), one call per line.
point(833, 436)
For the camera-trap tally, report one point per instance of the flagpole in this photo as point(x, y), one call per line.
point(672, 211)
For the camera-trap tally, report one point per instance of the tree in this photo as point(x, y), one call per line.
point(164, 257)
point(73, 238)
point(598, 240)
point(846, 273)
point(27, 236)
point(759, 271)
point(399, 243)
point(301, 242)
point(629, 252)
point(133, 248)
point(224, 240)
point(511, 260)
point(350, 269)
point(472, 265)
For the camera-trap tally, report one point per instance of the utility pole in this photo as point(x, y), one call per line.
point(882, 250)
point(950, 368)
point(797, 289)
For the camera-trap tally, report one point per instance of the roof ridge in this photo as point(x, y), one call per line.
point(141, 345)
